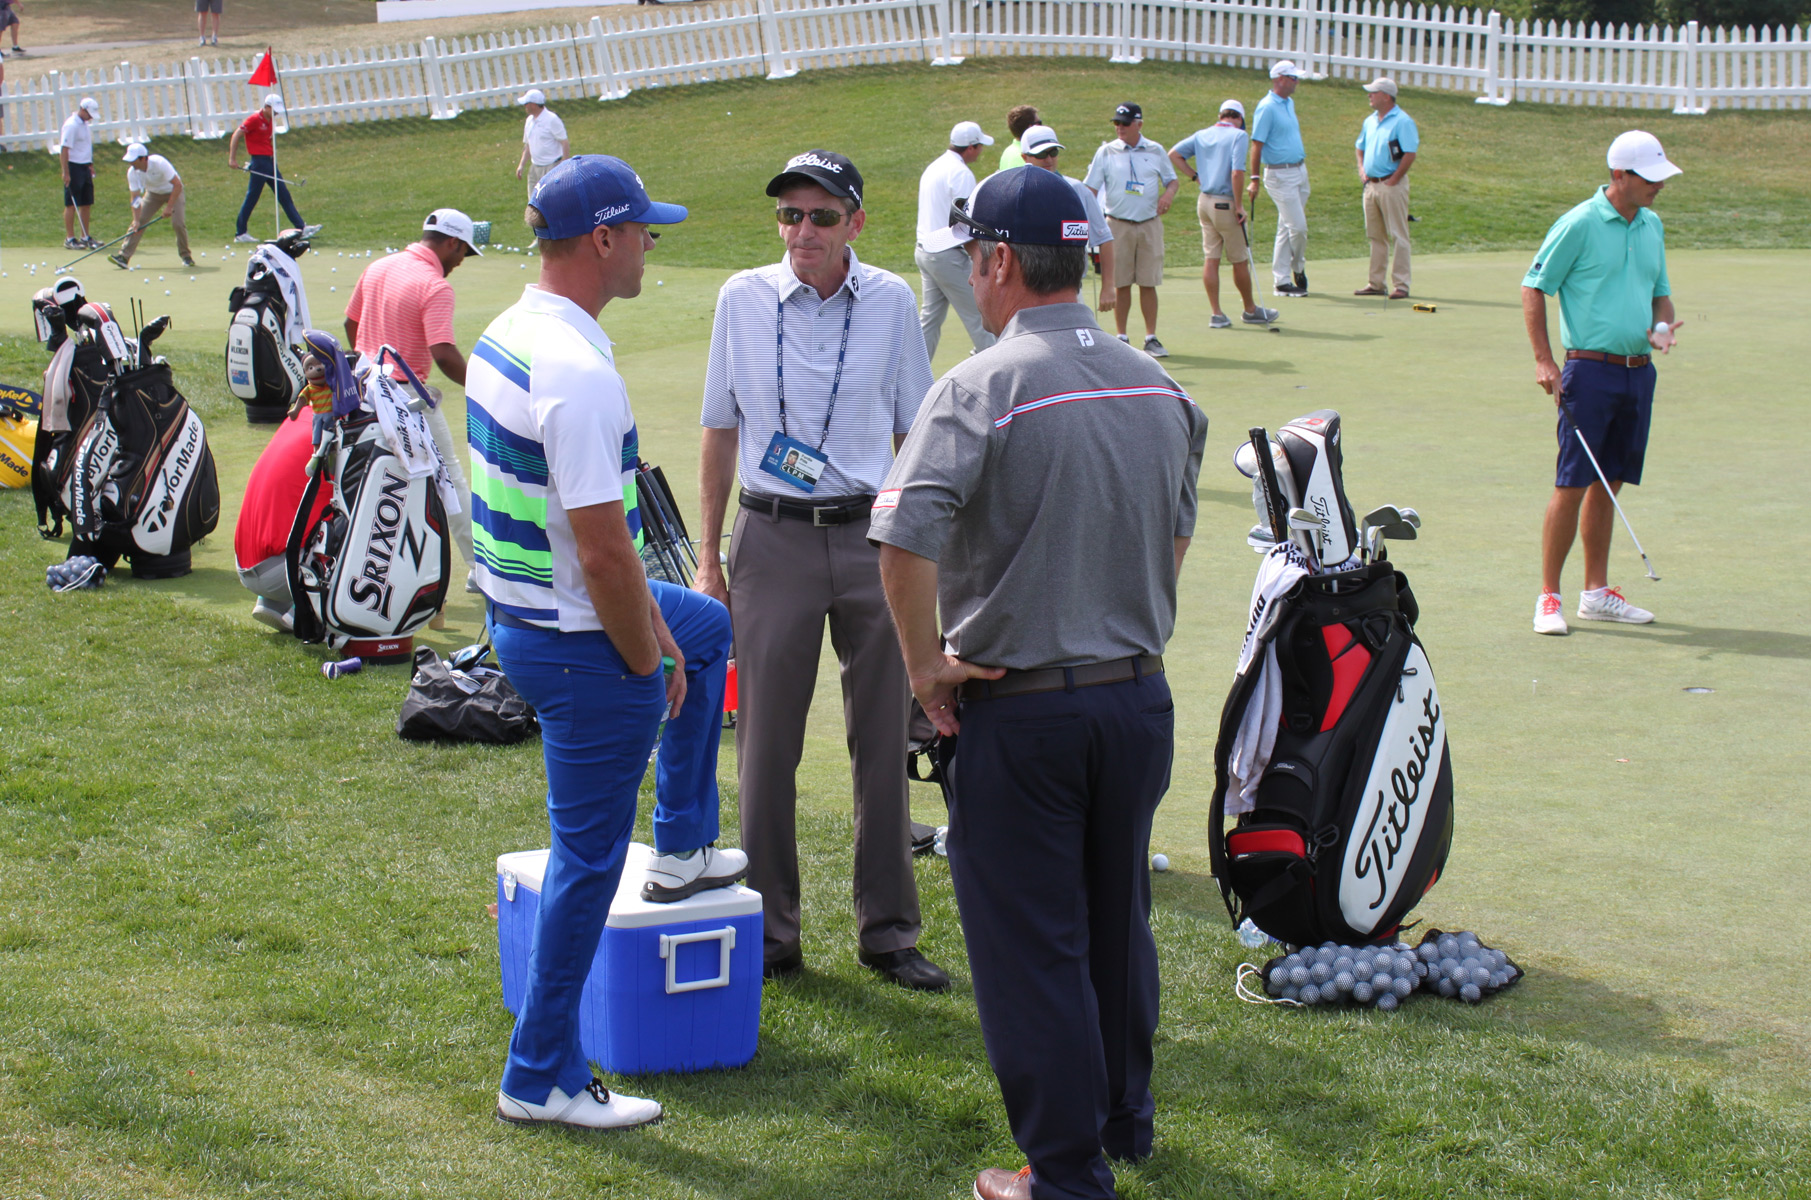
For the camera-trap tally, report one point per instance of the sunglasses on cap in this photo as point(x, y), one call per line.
point(823, 217)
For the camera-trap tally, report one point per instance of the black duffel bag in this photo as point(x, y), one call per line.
point(477, 704)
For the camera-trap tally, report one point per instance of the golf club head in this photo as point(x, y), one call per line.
point(469, 657)
point(1384, 514)
point(1301, 518)
point(1259, 539)
point(1401, 531)
point(1412, 517)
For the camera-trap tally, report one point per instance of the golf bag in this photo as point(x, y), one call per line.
point(1307, 464)
point(375, 562)
point(78, 373)
point(263, 364)
point(140, 483)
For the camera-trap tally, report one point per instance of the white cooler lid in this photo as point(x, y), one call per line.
point(629, 910)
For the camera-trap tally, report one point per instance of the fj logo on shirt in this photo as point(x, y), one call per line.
point(1075, 231)
point(1084, 337)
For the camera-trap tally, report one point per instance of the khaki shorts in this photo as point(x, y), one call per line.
point(1221, 236)
point(1137, 252)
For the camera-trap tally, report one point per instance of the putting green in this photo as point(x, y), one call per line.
point(1638, 847)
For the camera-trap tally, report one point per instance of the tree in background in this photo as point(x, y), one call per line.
point(1709, 13)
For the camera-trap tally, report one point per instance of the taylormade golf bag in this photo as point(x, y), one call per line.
point(269, 311)
point(375, 563)
point(141, 484)
point(1332, 747)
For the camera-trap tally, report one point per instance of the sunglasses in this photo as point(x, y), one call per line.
point(1047, 154)
point(822, 217)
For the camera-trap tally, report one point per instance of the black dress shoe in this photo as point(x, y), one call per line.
point(908, 968)
point(1301, 281)
point(789, 967)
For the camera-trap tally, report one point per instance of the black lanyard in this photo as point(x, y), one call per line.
point(780, 366)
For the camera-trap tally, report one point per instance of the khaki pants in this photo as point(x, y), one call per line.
point(1137, 252)
point(785, 578)
point(152, 202)
point(1386, 221)
point(1222, 236)
point(535, 173)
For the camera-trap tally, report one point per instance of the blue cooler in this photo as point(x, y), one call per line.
point(674, 987)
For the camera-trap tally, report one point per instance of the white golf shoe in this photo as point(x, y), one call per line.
point(671, 877)
point(597, 1107)
point(1547, 615)
point(1608, 604)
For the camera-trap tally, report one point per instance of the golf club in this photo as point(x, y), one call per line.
point(1304, 521)
point(116, 241)
point(146, 336)
point(1274, 509)
point(273, 180)
point(1259, 539)
point(1608, 490)
point(1412, 517)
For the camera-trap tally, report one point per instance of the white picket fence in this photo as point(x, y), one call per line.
point(1684, 68)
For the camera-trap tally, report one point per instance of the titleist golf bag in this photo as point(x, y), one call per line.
point(375, 562)
point(1345, 823)
point(141, 484)
point(263, 364)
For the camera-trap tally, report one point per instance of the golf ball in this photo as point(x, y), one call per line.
point(1160, 862)
point(1343, 982)
point(1362, 970)
point(1447, 989)
point(1362, 992)
point(333, 289)
point(1310, 995)
point(1279, 979)
point(1387, 1002)
point(1471, 993)
point(1320, 972)
point(1291, 992)
point(1403, 987)
point(166, 291)
point(1299, 976)
point(660, 283)
point(191, 279)
point(1382, 982)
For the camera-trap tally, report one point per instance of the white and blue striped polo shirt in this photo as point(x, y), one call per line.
point(550, 428)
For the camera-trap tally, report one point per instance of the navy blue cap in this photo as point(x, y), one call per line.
point(589, 190)
point(1028, 205)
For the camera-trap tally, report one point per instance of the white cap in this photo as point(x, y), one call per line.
point(1039, 139)
point(1282, 67)
point(274, 101)
point(532, 96)
point(134, 152)
point(1384, 84)
point(1640, 152)
point(967, 133)
point(454, 224)
point(92, 106)
point(1232, 106)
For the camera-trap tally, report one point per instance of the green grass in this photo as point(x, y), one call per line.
point(246, 947)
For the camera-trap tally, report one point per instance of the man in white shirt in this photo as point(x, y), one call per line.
point(816, 372)
point(77, 158)
point(544, 141)
point(153, 182)
point(1040, 149)
point(942, 255)
point(1136, 184)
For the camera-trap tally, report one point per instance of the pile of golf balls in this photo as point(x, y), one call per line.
point(1334, 974)
point(1450, 964)
point(1458, 964)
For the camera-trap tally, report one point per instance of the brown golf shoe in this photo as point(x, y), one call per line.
point(997, 1183)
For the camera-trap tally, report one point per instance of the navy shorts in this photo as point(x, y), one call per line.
point(1613, 405)
point(79, 191)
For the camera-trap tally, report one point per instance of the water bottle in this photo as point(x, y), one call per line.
point(346, 666)
point(1250, 936)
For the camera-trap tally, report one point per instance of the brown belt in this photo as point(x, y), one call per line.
point(1062, 679)
point(1615, 360)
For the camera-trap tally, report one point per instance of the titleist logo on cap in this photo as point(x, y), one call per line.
point(604, 214)
point(809, 159)
point(1075, 231)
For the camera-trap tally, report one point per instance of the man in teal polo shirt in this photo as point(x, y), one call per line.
point(1386, 149)
point(1276, 145)
point(1606, 260)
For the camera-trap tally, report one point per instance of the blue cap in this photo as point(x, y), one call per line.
point(589, 190)
point(1024, 204)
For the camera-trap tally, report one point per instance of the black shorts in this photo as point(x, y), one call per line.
point(79, 192)
point(206, 6)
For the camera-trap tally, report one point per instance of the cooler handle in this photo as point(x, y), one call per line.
point(669, 950)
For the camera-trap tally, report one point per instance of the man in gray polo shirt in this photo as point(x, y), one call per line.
point(1037, 516)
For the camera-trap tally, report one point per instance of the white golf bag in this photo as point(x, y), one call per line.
point(269, 317)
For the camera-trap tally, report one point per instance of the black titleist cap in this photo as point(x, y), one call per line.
point(833, 172)
point(1027, 205)
point(1125, 114)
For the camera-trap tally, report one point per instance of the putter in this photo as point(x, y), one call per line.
point(146, 336)
point(116, 241)
point(1608, 490)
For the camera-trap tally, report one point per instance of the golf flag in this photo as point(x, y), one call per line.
point(265, 74)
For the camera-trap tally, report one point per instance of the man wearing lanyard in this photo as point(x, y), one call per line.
point(1386, 148)
point(1276, 143)
point(818, 361)
point(1136, 184)
point(579, 627)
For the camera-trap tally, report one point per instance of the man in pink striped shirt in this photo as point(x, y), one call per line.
point(404, 301)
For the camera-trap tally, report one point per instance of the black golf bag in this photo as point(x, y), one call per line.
point(375, 563)
point(262, 368)
point(140, 483)
point(1310, 448)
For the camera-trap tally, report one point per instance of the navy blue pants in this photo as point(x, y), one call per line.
point(1614, 406)
point(263, 165)
point(598, 722)
point(1051, 800)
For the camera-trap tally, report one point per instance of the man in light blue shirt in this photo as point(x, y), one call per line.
point(1386, 149)
point(1136, 184)
point(1219, 154)
point(1606, 260)
point(1276, 144)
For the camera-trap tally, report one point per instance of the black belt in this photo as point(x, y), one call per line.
point(1062, 679)
point(499, 617)
point(838, 511)
point(1377, 178)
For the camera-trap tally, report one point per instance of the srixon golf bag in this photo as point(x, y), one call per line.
point(1351, 815)
point(263, 365)
point(375, 563)
point(141, 482)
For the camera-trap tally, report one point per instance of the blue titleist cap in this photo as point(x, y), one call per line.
point(589, 190)
point(1024, 204)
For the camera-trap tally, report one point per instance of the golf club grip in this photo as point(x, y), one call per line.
point(1273, 492)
